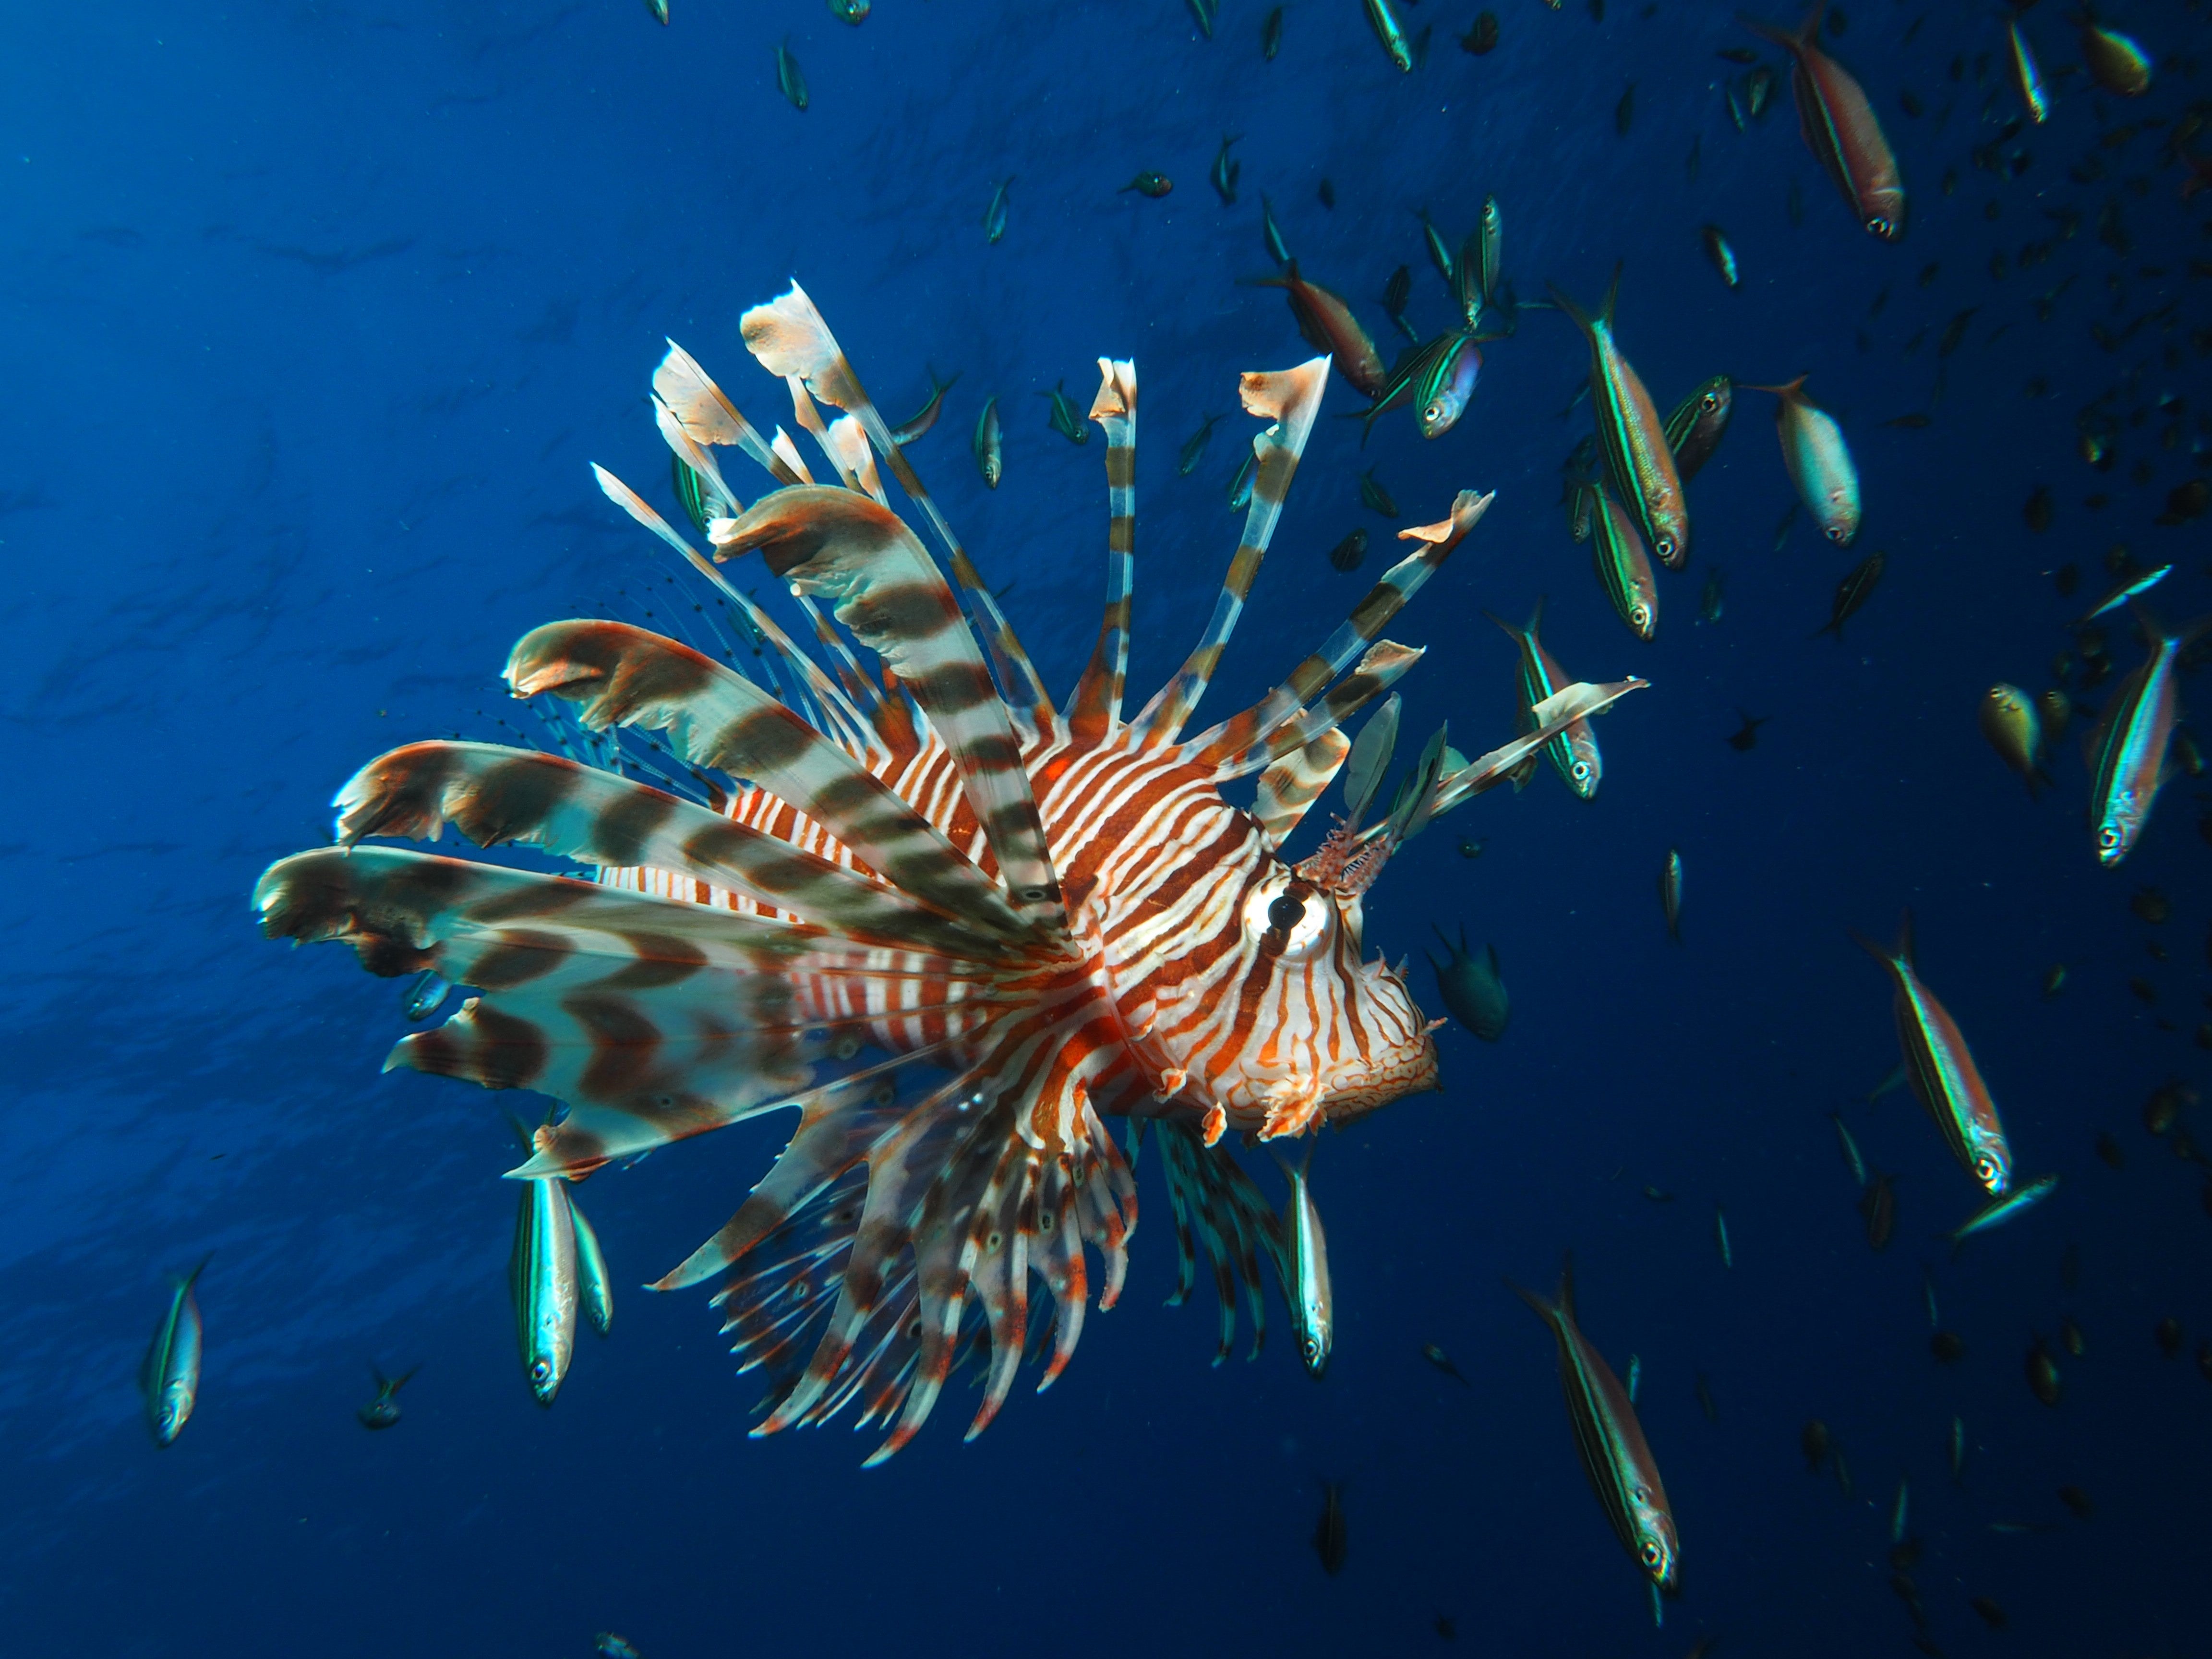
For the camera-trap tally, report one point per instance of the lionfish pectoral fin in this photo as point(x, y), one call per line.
point(1217, 1203)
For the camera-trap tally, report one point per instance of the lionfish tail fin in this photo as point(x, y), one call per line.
point(1218, 1206)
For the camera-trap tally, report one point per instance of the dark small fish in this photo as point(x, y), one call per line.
point(2070, 1337)
point(1328, 1534)
point(1374, 497)
point(1437, 1356)
point(1742, 55)
point(1905, 1590)
point(1878, 1204)
point(1758, 91)
point(1470, 848)
point(2165, 1105)
point(1843, 1472)
point(1225, 172)
point(1624, 112)
point(1193, 448)
point(383, 1412)
point(994, 216)
point(1851, 593)
point(1658, 1194)
point(2037, 514)
point(1916, 421)
point(2109, 1149)
point(1954, 331)
point(1949, 1347)
point(907, 431)
point(1711, 600)
point(2168, 1332)
point(1063, 419)
point(1482, 39)
point(1471, 990)
point(1705, 1402)
point(1747, 737)
point(1273, 233)
point(2146, 992)
point(1240, 485)
point(1670, 893)
point(2078, 1501)
point(788, 79)
point(1719, 253)
point(1992, 1614)
point(1440, 253)
point(1326, 193)
point(1271, 34)
point(1813, 1441)
point(1695, 158)
point(1445, 1628)
point(2044, 1380)
point(2151, 906)
point(1153, 185)
point(608, 1645)
point(1348, 554)
point(1397, 291)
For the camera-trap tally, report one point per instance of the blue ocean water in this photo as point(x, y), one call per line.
point(315, 315)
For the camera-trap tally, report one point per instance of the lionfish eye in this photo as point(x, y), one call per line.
point(1286, 912)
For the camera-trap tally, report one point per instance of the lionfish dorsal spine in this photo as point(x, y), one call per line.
point(1290, 399)
point(1094, 708)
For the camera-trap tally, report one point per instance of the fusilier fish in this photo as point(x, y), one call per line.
point(1490, 232)
point(1272, 234)
point(1819, 460)
point(2127, 751)
point(1271, 34)
point(1474, 992)
point(1851, 1148)
point(425, 993)
point(1225, 172)
point(788, 79)
point(1721, 1238)
point(1328, 1533)
point(542, 1277)
point(1851, 594)
point(1997, 1212)
point(2014, 730)
point(170, 1377)
point(1240, 483)
point(1624, 569)
point(1574, 753)
point(1313, 1307)
point(1440, 253)
point(1670, 893)
point(1437, 1356)
point(994, 216)
point(1441, 397)
point(1840, 129)
point(1942, 1070)
point(2128, 589)
point(1718, 250)
point(1063, 419)
point(907, 431)
point(1193, 448)
point(988, 444)
point(1615, 1454)
point(595, 1288)
point(1878, 1208)
point(659, 10)
point(1699, 421)
point(1637, 457)
point(1384, 17)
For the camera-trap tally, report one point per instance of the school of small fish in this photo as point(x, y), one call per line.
point(1626, 492)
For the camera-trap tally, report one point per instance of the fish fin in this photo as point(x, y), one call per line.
point(1567, 1286)
point(1536, 617)
point(1492, 949)
point(1094, 708)
point(1290, 786)
point(1786, 390)
point(1546, 1311)
point(622, 675)
point(1511, 632)
point(1611, 295)
point(1904, 952)
point(192, 1277)
point(1882, 954)
point(496, 796)
point(1218, 1206)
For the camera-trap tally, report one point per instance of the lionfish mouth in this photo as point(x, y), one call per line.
point(872, 892)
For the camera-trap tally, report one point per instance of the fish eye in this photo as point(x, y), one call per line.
point(1290, 921)
point(2108, 837)
point(1664, 547)
point(1286, 912)
point(1582, 770)
point(539, 1371)
point(1650, 1554)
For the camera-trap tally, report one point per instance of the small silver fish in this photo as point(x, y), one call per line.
point(1851, 1148)
point(994, 216)
point(1314, 1308)
point(596, 1289)
point(1721, 1238)
point(383, 1412)
point(2000, 1211)
point(542, 1277)
point(170, 1378)
point(989, 443)
point(788, 79)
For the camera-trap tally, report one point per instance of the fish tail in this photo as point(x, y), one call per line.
point(193, 1277)
point(1510, 631)
point(1791, 43)
point(1904, 951)
point(1575, 313)
point(1881, 953)
point(1611, 295)
point(1788, 389)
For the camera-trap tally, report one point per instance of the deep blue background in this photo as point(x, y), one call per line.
point(314, 314)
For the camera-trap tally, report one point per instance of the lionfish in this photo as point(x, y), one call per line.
point(955, 927)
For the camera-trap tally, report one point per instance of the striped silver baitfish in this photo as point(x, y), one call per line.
point(1574, 753)
point(956, 927)
point(2127, 750)
point(170, 1376)
point(1610, 1441)
point(1624, 569)
point(1639, 461)
point(1941, 1068)
point(595, 1289)
point(542, 1277)
point(1313, 1303)
point(1819, 460)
